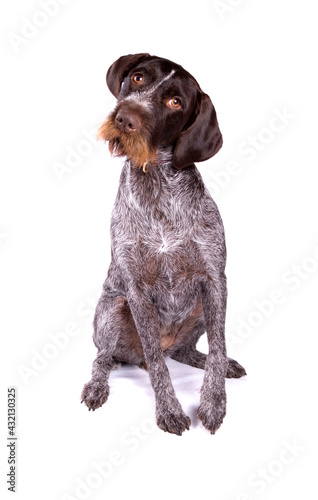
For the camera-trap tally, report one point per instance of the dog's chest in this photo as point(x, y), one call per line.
point(170, 264)
point(164, 239)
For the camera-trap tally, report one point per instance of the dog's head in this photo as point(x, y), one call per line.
point(160, 109)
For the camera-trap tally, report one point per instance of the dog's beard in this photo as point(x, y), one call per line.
point(133, 145)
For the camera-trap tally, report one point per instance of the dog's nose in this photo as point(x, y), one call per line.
point(127, 121)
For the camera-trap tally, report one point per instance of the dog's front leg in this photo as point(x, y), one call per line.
point(169, 413)
point(106, 333)
point(212, 407)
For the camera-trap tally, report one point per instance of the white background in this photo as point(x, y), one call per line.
point(255, 59)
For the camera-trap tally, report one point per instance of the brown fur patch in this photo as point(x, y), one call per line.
point(182, 330)
point(133, 145)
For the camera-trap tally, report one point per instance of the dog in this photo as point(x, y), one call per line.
point(166, 283)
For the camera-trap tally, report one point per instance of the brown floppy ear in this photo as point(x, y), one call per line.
point(202, 139)
point(120, 68)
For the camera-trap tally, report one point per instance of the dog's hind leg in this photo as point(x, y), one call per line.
point(234, 369)
point(195, 358)
point(189, 355)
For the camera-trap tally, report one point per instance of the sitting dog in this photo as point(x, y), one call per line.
point(166, 284)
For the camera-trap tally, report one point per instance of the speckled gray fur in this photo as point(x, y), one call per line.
point(165, 287)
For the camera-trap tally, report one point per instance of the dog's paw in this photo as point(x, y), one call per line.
point(212, 414)
point(95, 394)
point(174, 422)
point(235, 370)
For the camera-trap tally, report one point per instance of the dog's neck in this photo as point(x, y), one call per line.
point(165, 155)
point(160, 179)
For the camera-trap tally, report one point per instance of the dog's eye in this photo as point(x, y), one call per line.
point(137, 79)
point(174, 103)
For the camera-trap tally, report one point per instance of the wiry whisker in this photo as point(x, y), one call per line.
point(135, 146)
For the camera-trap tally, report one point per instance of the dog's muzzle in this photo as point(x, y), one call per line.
point(128, 133)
